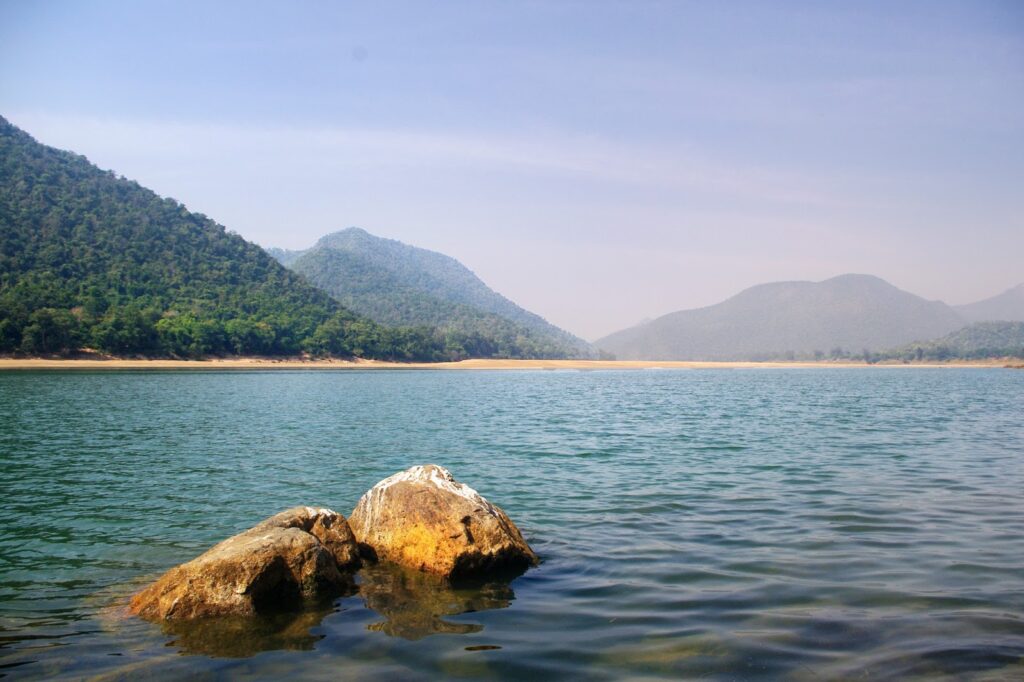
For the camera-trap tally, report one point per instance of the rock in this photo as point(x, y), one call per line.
point(423, 519)
point(326, 525)
point(299, 554)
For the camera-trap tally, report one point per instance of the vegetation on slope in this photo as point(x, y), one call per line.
point(974, 342)
point(89, 259)
point(394, 283)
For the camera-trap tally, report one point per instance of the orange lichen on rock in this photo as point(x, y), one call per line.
point(424, 519)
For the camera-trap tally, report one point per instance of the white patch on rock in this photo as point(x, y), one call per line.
point(433, 474)
point(320, 511)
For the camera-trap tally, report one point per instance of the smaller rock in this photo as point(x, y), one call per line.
point(299, 554)
point(326, 525)
point(424, 519)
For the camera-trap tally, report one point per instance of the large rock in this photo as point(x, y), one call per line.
point(299, 554)
point(424, 519)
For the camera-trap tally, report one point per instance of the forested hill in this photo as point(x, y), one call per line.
point(89, 259)
point(394, 283)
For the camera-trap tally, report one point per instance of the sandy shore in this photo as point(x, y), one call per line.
point(298, 363)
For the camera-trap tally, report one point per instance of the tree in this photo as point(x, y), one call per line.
point(127, 329)
point(332, 338)
point(247, 336)
point(50, 331)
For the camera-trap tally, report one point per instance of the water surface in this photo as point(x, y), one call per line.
point(726, 524)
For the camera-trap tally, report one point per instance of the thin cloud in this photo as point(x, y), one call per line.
point(581, 157)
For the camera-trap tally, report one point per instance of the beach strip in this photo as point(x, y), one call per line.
point(250, 363)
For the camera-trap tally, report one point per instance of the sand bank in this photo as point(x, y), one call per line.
point(299, 363)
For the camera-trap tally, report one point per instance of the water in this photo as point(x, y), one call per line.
point(773, 524)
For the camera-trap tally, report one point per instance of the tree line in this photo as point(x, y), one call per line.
point(92, 260)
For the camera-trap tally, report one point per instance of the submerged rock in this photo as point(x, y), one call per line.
point(299, 554)
point(244, 636)
point(414, 604)
point(424, 519)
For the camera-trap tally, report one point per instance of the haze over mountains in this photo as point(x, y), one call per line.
point(798, 319)
point(92, 260)
point(977, 340)
point(1007, 306)
point(89, 259)
point(398, 284)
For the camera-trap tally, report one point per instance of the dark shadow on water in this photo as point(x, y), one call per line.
point(414, 604)
point(244, 636)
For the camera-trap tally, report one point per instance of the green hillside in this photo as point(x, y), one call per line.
point(976, 341)
point(397, 284)
point(89, 259)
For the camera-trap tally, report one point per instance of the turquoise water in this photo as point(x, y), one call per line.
point(762, 524)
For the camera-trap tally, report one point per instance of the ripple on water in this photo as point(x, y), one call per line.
point(770, 524)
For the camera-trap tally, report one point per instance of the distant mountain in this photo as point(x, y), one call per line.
point(979, 340)
point(786, 319)
point(394, 283)
point(1007, 306)
point(90, 259)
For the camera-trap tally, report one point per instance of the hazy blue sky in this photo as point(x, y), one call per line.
point(598, 163)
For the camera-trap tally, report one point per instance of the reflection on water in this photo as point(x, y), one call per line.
point(413, 603)
point(241, 636)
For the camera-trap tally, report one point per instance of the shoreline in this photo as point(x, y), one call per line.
point(254, 363)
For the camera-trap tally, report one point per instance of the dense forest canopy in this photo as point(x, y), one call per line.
point(90, 259)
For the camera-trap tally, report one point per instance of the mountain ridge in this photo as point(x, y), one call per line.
point(397, 283)
point(1005, 307)
point(92, 259)
point(778, 319)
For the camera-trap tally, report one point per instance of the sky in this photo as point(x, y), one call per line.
point(599, 163)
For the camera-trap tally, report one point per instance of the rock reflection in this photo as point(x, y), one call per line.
point(243, 636)
point(414, 603)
